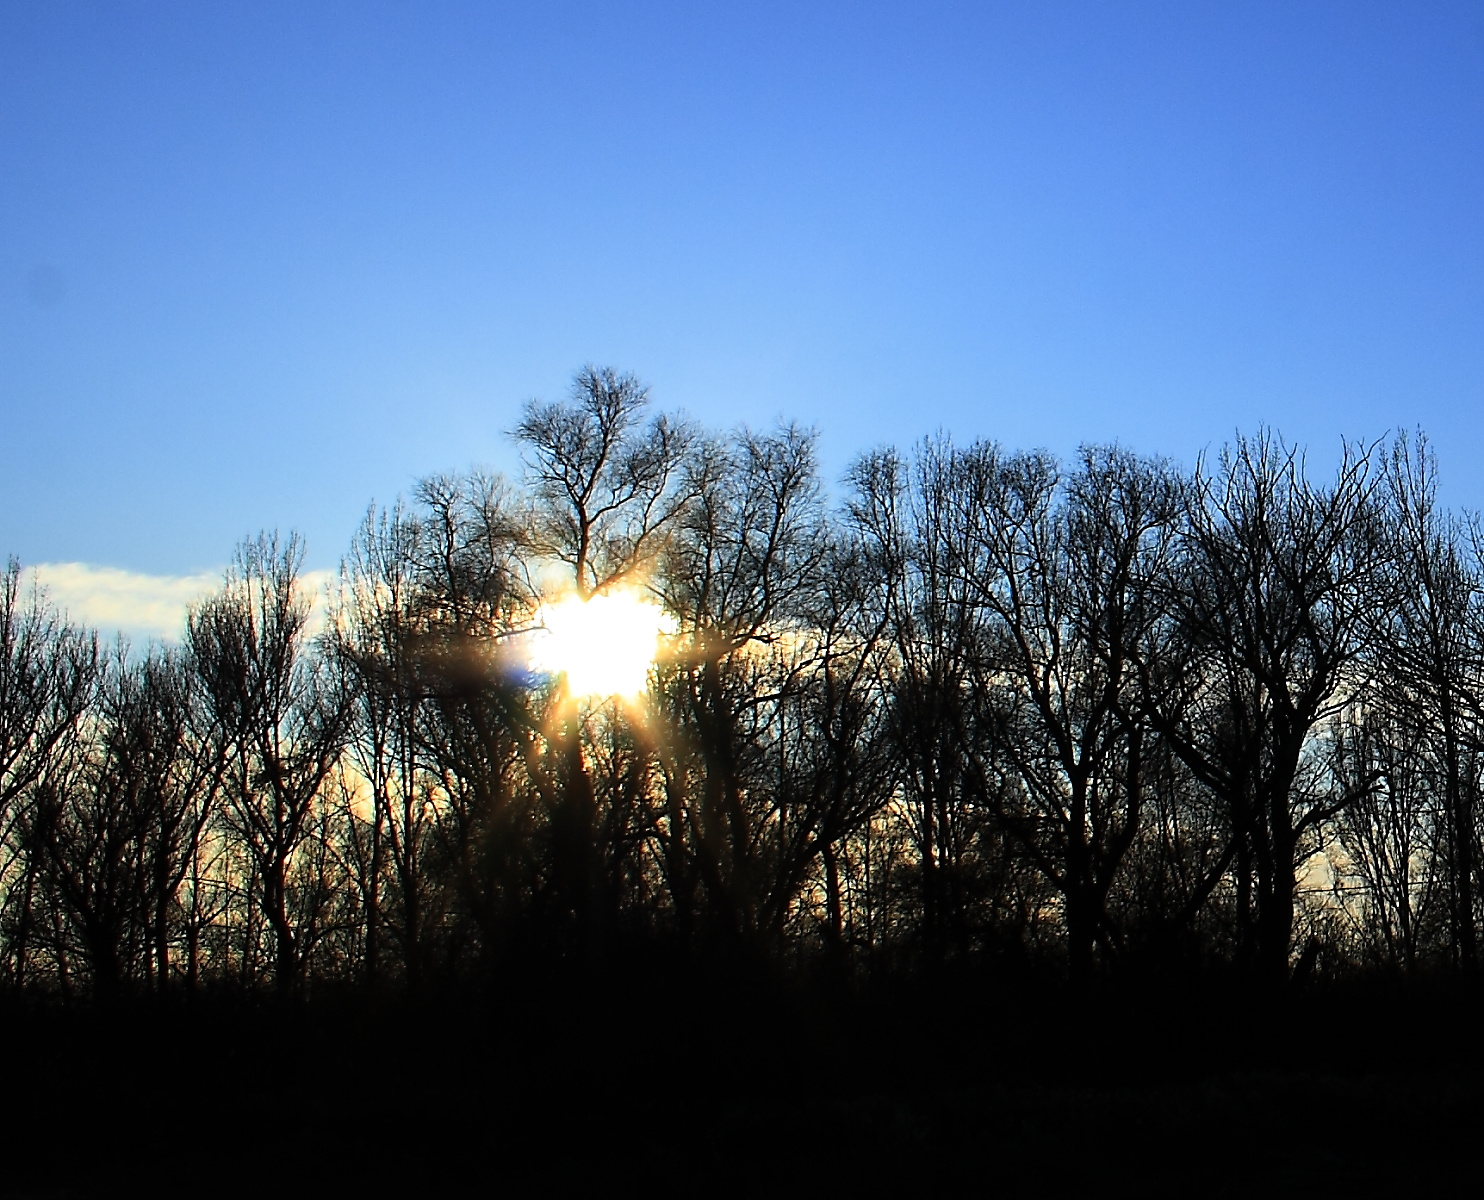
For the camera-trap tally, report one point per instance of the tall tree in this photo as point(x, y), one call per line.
point(284, 713)
point(908, 520)
point(759, 719)
point(1430, 643)
point(120, 830)
point(49, 673)
point(1064, 570)
point(610, 489)
point(1280, 578)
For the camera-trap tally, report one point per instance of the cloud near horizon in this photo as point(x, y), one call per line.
point(141, 606)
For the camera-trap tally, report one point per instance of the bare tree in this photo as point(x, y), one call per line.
point(120, 828)
point(1428, 645)
point(49, 672)
point(1280, 579)
point(760, 725)
point(609, 491)
point(284, 713)
point(485, 732)
point(903, 516)
point(377, 636)
point(608, 488)
point(1387, 840)
point(1063, 569)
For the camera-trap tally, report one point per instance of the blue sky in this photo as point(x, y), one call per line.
point(262, 263)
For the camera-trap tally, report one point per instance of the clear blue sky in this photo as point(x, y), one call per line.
point(261, 263)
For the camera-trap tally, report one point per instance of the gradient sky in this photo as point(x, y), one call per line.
point(262, 263)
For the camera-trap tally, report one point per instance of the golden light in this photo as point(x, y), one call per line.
point(605, 645)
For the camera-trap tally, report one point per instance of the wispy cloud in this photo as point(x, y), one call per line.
point(113, 600)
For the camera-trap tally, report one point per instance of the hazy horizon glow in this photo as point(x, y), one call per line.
point(141, 606)
point(260, 265)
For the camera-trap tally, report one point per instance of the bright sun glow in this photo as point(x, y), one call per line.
point(605, 645)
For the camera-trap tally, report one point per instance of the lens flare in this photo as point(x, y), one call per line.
point(605, 645)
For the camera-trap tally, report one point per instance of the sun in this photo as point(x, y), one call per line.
point(605, 645)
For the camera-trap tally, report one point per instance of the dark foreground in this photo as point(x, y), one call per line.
point(709, 1087)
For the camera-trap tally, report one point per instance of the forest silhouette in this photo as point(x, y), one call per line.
point(1039, 822)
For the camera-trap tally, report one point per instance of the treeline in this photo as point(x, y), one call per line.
point(1101, 716)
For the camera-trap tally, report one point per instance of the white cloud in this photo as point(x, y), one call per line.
point(142, 606)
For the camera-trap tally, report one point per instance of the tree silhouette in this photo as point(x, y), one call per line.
point(989, 712)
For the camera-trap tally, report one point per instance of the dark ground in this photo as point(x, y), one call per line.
point(709, 1087)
